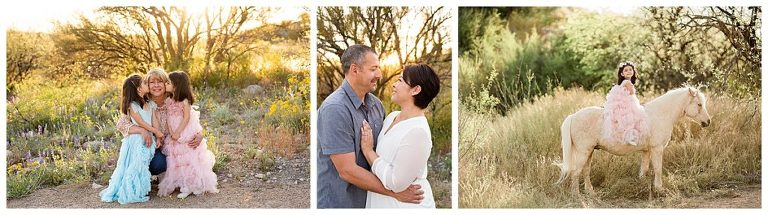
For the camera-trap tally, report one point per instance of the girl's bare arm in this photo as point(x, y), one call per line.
point(184, 121)
point(126, 127)
point(156, 125)
point(141, 122)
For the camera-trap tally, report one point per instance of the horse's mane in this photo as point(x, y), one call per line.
point(677, 91)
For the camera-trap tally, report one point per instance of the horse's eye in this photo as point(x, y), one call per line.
point(699, 105)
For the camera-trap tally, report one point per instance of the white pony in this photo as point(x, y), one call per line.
point(582, 134)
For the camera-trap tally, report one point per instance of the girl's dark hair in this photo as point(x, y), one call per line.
point(183, 90)
point(130, 93)
point(620, 78)
point(422, 75)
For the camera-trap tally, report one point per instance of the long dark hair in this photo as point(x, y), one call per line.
point(620, 78)
point(180, 81)
point(130, 93)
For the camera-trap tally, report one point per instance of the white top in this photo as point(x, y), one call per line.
point(403, 153)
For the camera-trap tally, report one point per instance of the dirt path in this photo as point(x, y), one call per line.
point(231, 196)
point(240, 185)
point(744, 197)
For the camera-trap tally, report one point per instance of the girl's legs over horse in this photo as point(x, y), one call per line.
point(631, 136)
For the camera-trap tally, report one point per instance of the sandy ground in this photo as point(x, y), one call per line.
point(230, 196)
point(745, 197)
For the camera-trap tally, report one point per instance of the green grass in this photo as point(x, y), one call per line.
point(506, 161)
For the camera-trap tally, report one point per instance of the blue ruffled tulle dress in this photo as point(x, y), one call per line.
point(130, 182)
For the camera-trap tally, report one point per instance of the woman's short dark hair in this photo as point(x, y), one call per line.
point(422, 75)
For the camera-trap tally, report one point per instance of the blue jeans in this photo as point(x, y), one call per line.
point(158, 164)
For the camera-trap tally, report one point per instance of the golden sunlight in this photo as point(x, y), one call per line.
point(391, 60)
point(196, 9)
point(42, 18)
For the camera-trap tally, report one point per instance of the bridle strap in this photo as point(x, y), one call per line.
point(685, 107)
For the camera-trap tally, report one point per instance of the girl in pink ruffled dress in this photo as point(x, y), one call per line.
point(624, 119)
point(189, 169)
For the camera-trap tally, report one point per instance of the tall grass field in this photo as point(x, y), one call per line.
point(507, 161)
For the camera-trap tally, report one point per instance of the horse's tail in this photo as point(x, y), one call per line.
point(567, 142)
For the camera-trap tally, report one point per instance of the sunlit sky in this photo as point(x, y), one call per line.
point(41, 17)
point(408, 29)
point(617, 9)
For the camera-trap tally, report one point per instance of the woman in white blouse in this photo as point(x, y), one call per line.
point(405, 142)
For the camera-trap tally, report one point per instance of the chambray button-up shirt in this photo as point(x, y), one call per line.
point(339, 121)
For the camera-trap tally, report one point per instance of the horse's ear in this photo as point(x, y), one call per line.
point(692, 91)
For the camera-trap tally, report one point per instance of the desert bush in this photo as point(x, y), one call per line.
point(290, 108)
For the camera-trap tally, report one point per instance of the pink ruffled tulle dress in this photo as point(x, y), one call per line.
point(190, 169)
point(624, 119)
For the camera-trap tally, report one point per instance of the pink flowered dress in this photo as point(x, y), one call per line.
point(624, 119)
point(190, 169)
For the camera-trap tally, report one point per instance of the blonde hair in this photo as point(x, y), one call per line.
point(158, 72)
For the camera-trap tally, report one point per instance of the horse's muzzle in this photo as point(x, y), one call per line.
point(705, 124)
